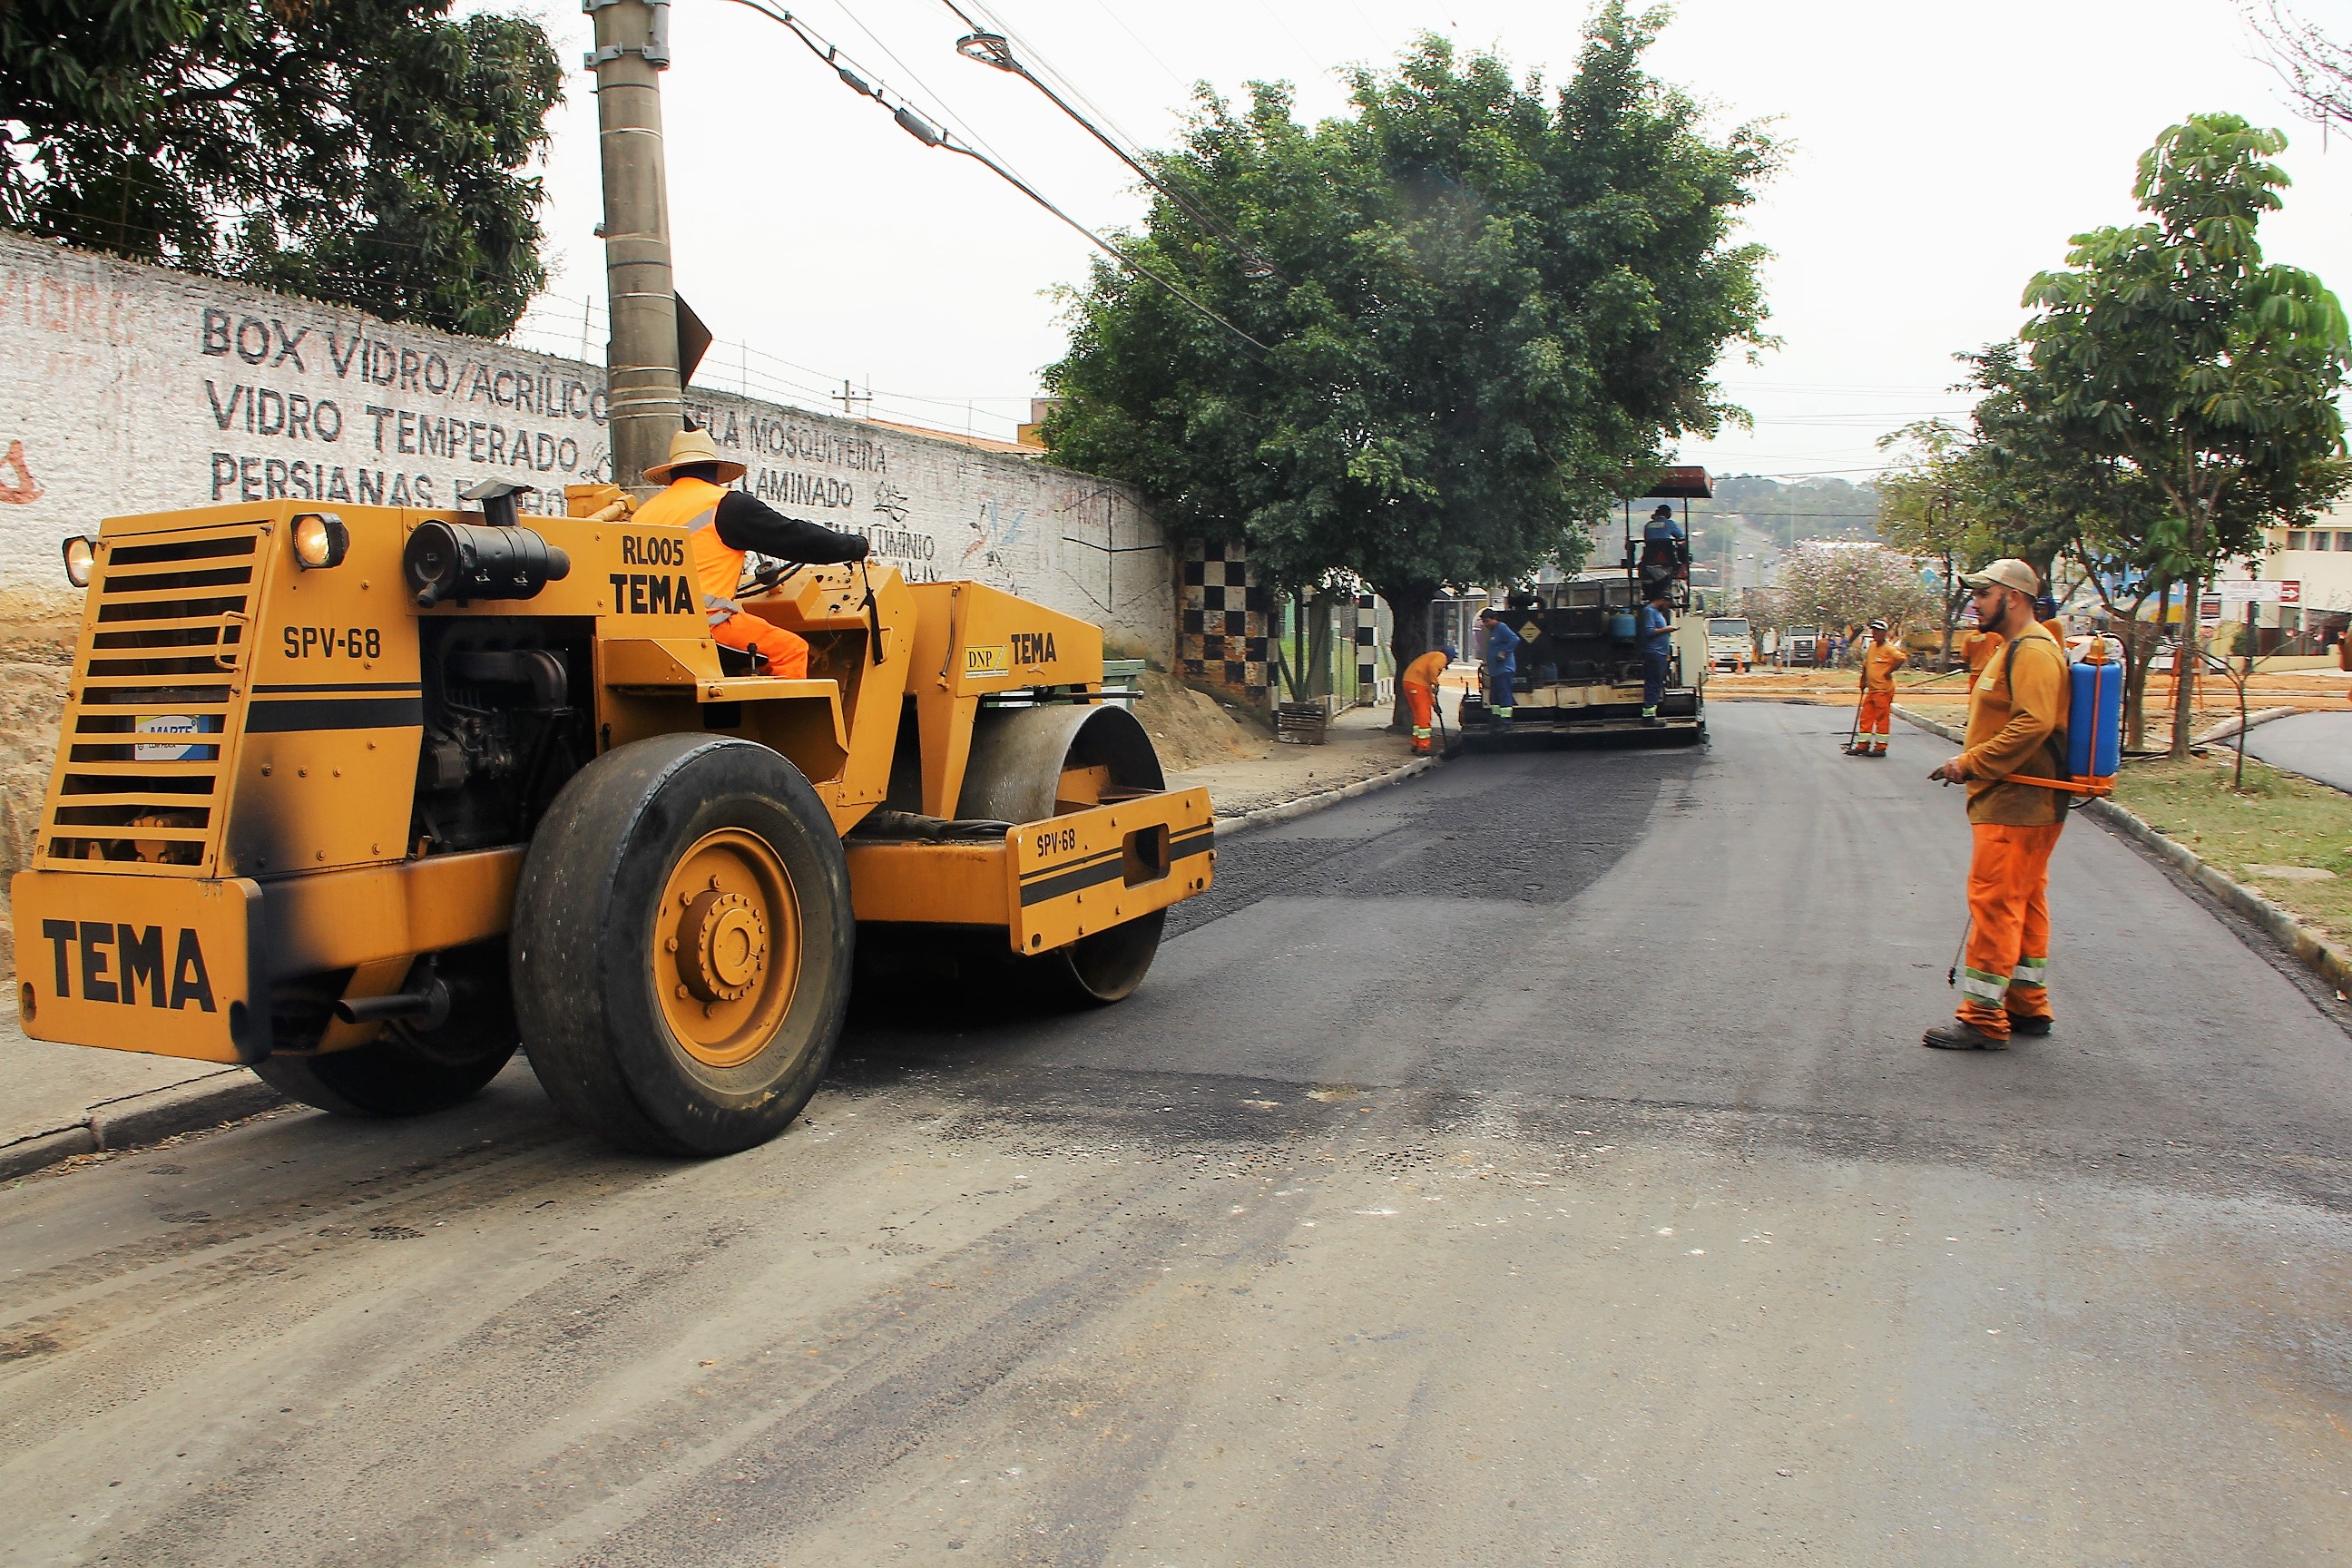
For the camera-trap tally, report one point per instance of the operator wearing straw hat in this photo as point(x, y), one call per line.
point(724, 525)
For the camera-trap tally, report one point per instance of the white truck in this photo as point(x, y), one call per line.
point(1730, 644)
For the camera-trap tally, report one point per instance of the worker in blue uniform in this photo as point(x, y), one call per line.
point(1665, 551)
point(1502, 663)
point(1657, 640)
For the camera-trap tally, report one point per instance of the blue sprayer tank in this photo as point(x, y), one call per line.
point(2094, 720)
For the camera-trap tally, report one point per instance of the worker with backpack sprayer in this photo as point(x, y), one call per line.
point(2017, 732)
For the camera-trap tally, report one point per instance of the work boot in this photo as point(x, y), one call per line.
point(1877, 751)
point(1959, 1036)
point(1650, 716)
point(2034, 1026)
point(1857, 750)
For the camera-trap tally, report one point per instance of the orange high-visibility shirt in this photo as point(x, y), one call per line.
point(1878, 666)
point(695, 504)
point(1424, 670)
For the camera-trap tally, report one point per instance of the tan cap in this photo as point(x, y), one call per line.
point(689, 447)
point(2008, 572)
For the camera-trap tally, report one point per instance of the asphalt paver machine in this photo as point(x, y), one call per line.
point(1579, 661)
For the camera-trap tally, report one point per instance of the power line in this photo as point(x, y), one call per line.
point(1181, 84)
point(922, 129)
point(994, 48)
point(813, 389)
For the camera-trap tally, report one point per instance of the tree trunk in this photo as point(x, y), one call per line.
point(2139, 642)
point(1952, 614)
point(2185, 660)
point(1408, 637)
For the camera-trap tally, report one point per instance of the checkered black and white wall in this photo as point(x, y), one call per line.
point(1222, 630)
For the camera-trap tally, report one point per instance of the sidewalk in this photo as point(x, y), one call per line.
point(1357, 747)
point(64, 1100)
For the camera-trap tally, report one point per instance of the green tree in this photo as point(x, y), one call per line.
point(1929, 506)
point(1479, 309)
point(2054, 501)
point(365, 151)
point(2172, 348)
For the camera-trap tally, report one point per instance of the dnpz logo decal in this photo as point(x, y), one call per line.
point(125, 964)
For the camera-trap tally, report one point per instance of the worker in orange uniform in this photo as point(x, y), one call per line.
point(1979, 648)
point(1873, 725)
point(2017, 725)
point(722, 526)
point(1420, 682)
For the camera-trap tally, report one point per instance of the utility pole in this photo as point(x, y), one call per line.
point(641, 377)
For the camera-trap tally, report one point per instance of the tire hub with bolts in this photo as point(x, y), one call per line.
point(724, 945)
point(729, 936)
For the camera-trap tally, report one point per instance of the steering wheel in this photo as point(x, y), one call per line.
point(766, 579)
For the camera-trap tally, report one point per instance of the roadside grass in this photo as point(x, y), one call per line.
point(2280, 820)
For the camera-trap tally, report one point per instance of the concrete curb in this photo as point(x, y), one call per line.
point(2306, 945)
point(1933, 726)
point(1306, 805)
point(213, 1100)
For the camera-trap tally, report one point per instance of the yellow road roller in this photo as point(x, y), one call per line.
point(363, 799)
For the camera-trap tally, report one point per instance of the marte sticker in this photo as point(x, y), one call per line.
point(174, 751)
point(997, 660)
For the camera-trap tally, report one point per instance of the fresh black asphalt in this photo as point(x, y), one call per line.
point(1531, 1162)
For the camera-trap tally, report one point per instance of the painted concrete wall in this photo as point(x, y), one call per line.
point(126, 388)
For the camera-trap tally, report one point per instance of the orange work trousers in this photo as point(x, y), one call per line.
point(786, 652)
point(1874, 721)
point(1423, 701)
point(2005, 971)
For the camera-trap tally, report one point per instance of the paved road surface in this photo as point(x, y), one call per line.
point(2316, 745)
point(1532, 1163)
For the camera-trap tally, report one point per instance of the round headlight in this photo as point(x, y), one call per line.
point(81, 555)
point(320, 540)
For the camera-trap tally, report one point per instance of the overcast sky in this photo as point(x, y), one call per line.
point(1938, 156)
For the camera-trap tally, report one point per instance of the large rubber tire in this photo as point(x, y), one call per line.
point(667, 1011)
point(1030, 763)
point(409, 1071)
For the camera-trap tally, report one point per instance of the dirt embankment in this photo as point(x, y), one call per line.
point(1194, 729)
point(36, 637)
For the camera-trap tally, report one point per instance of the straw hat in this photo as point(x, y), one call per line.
point(689, 447)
